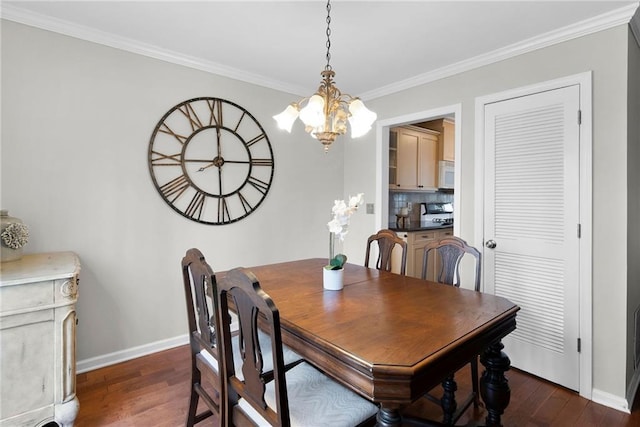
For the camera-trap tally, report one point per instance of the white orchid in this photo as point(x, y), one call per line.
point(341, 214)
point(356, 201)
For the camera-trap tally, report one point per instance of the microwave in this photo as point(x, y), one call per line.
point(446, 174)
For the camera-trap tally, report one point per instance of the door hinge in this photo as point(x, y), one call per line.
point(579, 231)
point(579, 345)
point(579, 117)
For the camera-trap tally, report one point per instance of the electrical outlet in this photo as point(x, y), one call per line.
point(370, 208)
point(409, 206)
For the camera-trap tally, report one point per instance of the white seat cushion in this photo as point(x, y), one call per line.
point(235, 323)
point(211, 361)
point(315, 400)
point(289, 355)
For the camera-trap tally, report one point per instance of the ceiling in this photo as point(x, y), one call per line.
point(377, 47)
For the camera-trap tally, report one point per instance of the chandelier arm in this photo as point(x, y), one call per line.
point(298, 104)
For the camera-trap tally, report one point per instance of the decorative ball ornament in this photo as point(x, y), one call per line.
point(211, 161)
point(13, 236)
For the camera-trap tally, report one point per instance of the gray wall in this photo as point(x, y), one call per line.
point(605, 53)
point(76, 122)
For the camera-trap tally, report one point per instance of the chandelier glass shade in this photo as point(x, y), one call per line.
point(325, 114)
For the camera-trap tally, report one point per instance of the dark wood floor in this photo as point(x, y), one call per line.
point(153, 391)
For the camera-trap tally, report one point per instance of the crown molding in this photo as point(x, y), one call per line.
point(635, 26)
point(579, 29)
point(620, 16)
point(48, 23)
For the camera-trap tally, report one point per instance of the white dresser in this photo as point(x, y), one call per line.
point(38, 294)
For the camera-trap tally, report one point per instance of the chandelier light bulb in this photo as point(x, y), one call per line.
point(287, 117)
point(312, 115)
point(361, 118)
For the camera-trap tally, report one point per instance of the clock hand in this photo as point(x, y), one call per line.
point(206, 167)
point(218, 138)
point(218, 162)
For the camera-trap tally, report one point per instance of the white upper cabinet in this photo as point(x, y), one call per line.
point(416, 157)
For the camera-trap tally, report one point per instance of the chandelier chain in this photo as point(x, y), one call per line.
point(328, 66)
point(327, 112)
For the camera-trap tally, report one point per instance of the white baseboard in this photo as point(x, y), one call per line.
point(130, 353)
point(610, 400)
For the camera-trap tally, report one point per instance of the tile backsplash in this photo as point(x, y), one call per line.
point(399, 200)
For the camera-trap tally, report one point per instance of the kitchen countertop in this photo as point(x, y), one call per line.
point(435, 226)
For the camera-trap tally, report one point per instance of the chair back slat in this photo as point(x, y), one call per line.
point(199, 289)
point(240, 290)
point(387, 240)
point(199, 280)
point(451, 250)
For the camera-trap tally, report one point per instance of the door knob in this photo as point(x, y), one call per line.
point(491, 244)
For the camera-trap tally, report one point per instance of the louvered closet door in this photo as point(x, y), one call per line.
point(531, 213)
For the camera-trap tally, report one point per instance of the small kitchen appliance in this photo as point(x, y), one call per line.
point(446, 175)
point(436, 213)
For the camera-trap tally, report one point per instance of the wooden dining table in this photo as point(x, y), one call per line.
point(388, 337)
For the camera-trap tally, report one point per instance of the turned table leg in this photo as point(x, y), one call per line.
point(448, 401)
point(494, 387)
point(388, 417)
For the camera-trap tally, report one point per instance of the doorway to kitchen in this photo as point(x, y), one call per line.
point(392, 185)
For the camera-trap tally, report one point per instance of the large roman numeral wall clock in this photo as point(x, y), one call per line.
point(211, 160)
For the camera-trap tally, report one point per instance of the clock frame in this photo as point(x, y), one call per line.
point(211, 161)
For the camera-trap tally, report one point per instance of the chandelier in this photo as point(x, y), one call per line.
point(325, 113)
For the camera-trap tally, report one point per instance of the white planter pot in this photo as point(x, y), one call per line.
point(333, 280)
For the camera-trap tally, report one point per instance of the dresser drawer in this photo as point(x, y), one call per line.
point(31, 295)
point(444, 233)
point(418, 237)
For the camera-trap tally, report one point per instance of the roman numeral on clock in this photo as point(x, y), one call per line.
point(258, 184)
point(223, 210)
point(190, 114)
point(176, 187)
point(245, 203)
point(194, 210)
point(159, 159)
point(261, 162)
point(215, 110)
point(166, 129)
point(255, 139)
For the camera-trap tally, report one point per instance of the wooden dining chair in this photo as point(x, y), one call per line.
point(450, 251)
point(301, 396)
point(387, 241)
point(200, 289)
point(199, 282)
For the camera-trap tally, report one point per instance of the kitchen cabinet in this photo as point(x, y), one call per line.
point(393, 157)
point(416, 242)
point(416, 156)
point(38, 294)
point(446, 138)
point(446, 149)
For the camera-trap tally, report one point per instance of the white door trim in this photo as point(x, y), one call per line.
point(586, 191)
